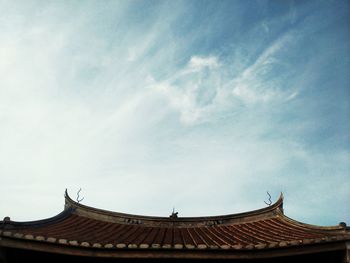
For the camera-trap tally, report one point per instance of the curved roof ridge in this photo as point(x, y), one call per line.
point(275, 208)
point(312, 227)
point(35, 223)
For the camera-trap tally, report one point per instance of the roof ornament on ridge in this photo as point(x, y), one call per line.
point(270, 202)
point(78, 197)
point(174, 214)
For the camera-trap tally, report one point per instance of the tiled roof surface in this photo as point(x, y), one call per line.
point(84, 226)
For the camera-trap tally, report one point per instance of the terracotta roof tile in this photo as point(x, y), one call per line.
point(187, 239)
point(150, 238)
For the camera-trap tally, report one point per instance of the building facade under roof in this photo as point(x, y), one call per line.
point(86, 234)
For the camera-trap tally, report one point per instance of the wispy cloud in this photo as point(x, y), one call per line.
point(206, 85)
point(198, 63)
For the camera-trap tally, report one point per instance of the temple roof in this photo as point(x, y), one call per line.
point(91, 228)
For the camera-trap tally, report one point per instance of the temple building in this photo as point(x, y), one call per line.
point(84, 234)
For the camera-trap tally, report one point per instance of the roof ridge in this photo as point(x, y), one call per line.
point(322, 229)
point(88, 211)
point(8, 224)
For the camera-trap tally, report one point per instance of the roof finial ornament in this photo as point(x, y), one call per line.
point(78, 197)
point(174, 214)
point(270, 202)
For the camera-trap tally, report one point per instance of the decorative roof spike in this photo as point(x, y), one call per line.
point(280, 201)
point(78, 197)
point(269, 202)
point(174, 214)
point(281, 196)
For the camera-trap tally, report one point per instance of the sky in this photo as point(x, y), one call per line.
point(201, 106)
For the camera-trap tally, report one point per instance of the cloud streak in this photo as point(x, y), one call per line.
point(206, 86)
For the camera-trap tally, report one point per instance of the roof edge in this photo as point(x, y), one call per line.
point(18, 224)
point(337, 228)
point(273, 209)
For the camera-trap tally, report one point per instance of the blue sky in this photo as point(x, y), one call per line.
point(201, 105)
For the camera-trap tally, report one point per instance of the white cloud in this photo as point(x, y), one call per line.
point(207, 86)
point(197, 63)
point(258, 82)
